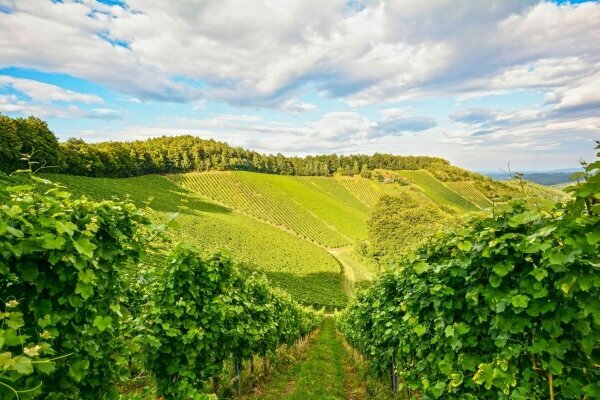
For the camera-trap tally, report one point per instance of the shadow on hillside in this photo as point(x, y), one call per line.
point(153, 191)
point(320, 289)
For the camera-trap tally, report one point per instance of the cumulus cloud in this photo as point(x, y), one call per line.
point(294, 106)
point(269, 54)
point(263, 54)
point(44, 92)
point(12, 104)
point(399, 120)
point(30, 97)
point(582, 97)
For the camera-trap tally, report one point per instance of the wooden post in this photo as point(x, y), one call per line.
point(394, 376)
point(216, 384)
point(265, 365)
point(236, 368)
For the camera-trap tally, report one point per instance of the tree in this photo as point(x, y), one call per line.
point(10, 145)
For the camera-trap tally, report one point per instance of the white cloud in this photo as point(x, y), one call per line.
point(271, 50)
point(584, 96)
point(294, 106)
point(269, 54)
point(44, 92)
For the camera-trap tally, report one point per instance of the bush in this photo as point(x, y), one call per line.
point(61, 258)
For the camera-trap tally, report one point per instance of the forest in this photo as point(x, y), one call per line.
point(169, 154)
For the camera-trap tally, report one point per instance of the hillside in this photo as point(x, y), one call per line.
point(306, 271)
point(289, 227)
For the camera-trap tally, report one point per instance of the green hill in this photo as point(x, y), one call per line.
point(300, 231)
point(305, 270)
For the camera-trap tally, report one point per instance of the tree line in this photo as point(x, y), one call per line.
point(176, 154)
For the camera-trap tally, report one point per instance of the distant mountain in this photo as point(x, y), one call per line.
point(546, 178)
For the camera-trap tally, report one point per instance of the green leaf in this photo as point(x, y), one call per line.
point(523, 218)
point(102, 323)
point(438, 389)
point(593, 238)
point(45, 366)
point(421, 267)
point(86, 276)
point(19, 188)
point(520, 301)
point(85, 247)
point(78, 370)
point(465, 245)
point(539, 273)
point(484, 375)
point(23, 365)
point(420, 330)
point(456, 379)
point(84, 289)
point(53, 242)
point(15, 232)
point(556, 367)
point(40, 180)
point(502, 269)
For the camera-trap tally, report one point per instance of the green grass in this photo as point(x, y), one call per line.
point(358, 271)
point(303, 269)
point(332, 217)
point(320, 376)
point(438, 191)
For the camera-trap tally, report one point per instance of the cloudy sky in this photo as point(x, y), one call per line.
point(481, 83)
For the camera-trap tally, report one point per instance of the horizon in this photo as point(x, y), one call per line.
point(478, 84)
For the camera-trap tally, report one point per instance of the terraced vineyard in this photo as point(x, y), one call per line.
point(306, 271)
point(468, 190)
point(438, 191)
point(331, 218)
point(365, 190)
point(334, 188)
point(287, 226)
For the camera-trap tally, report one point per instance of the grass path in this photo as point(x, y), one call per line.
point(324, 374)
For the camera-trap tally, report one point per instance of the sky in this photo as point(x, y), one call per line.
point(480, 83)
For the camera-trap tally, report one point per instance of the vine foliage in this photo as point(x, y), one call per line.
point(205, 311)
point(61, 258)
point(507, 307)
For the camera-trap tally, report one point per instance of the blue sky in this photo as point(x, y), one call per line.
point(477, 83)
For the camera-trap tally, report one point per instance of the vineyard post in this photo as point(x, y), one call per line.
point(236, 366)
point(216, 384)
point(394, 375)
point(266, 365)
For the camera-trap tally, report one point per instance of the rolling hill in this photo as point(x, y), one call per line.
point(300, 231)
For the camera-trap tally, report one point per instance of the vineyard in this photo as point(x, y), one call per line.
point(505, 307)
point(468, 190)
point(306, 271)
point(75, 313)
point(142, 296)
point(438, 191)
point(296, 204)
